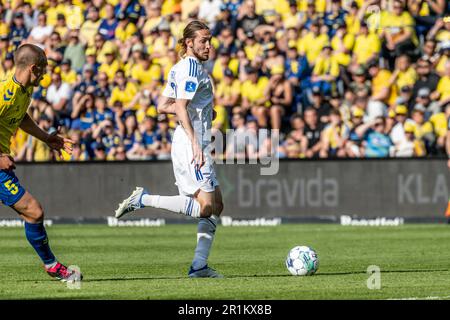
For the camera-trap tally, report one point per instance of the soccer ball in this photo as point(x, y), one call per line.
point(302, 261)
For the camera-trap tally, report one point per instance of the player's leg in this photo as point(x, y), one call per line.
point(205, 234)
point(181, 204)
point(31, 211)
point(188, 179)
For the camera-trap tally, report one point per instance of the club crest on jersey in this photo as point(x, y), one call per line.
point(190, 86)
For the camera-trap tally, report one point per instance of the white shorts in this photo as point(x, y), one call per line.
point(188, 179)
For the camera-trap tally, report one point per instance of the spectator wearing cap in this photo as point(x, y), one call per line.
point(18, 32)
point(89, 28)
point(228, 91)
point(87, 82)
point(253, 99)
point(59, 93)
point(408, 148)
point(75, 51)
point(108, 24)
point(426, 77)
point(252, 48)
point(132, 53)
point(280, 94)
point(313, 42)
point(398, 133)
point(111, 65)
point(67, 74)
point(423, 130)
point(224, 62)
point(367, 46)
point(320, 104)
point(326, 71)
point(376, 143)
point(431, 107)
point(42, 31)
point(61, 26)
point(124, 90)
point(248, 20)
point(91, 59)
point(400, 35)
point(334, 137)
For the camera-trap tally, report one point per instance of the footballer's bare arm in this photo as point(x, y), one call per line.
point(166, 105)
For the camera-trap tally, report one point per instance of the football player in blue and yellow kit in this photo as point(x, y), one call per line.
point(15, 97)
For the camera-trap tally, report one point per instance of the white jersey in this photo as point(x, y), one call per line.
point(189, 80)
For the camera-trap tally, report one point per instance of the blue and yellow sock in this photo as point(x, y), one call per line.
point(37, 237)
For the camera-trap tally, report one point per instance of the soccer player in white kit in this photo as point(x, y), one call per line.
point(189, 95)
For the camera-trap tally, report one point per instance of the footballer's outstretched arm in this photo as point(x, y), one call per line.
point(185, 122)
point(52, 140)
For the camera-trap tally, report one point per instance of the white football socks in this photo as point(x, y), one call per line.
point(178, 204)
point(205, 237)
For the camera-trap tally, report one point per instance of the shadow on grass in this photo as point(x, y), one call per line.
point(319, 274)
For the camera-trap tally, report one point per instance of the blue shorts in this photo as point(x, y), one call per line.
point(10, 189)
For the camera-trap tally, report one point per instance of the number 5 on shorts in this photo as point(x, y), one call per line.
point(11, 187)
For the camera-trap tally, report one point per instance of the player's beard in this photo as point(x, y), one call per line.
point(201, 56)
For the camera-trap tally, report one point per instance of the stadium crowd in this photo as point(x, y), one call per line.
point(337, 78)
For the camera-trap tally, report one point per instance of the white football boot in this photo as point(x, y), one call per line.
point(132, 203)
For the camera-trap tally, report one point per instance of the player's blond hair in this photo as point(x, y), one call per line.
point(190, 32)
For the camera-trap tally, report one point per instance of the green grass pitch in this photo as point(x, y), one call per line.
point(152, 263)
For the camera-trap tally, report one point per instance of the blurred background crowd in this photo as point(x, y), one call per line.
point(336, 78)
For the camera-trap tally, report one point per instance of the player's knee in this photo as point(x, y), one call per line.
point(35, 212)
point(206, 210)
